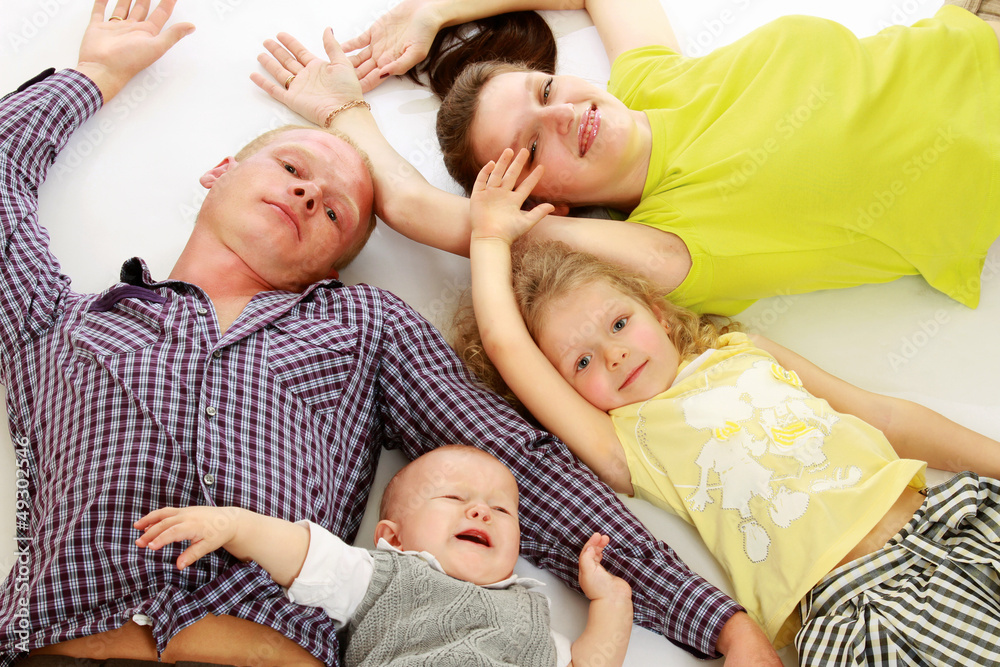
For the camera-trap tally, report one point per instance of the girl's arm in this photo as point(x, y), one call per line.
point(279, 546)
point(915, 432)
point(401, 38)
point(497, 221)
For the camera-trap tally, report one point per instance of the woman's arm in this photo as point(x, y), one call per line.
point(914, 431)
point(418, 210)
point(497, 222)
point(401, 38)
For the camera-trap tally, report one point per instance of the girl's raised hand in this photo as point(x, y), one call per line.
point(497, 198)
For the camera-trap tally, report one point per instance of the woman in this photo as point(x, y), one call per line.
point(797, 158)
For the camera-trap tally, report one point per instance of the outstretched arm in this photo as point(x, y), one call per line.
point(604, 640)
point(401, 38)
point(114, 51)
point(914, 431)
point(280, 547)
point(497, 220)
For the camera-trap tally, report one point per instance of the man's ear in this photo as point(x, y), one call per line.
point(209, 178)
point(388, 531)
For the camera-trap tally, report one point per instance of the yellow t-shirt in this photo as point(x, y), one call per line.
point(802, 158)
point(779, 485)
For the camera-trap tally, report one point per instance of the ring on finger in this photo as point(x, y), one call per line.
point(289, 80)
point(116, 18)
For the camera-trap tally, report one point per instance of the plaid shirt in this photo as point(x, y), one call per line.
point(133, 399)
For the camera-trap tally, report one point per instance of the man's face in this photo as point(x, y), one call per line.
point(460, 505)
point(292, 209)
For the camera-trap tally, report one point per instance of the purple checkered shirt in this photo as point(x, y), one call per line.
point(131, 400)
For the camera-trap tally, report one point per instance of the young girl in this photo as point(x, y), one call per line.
point(792, 477)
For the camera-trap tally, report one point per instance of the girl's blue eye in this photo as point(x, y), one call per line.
point(619, 325)
point(583, 363)
point(546, 89)
point(534, 147)
point(290, 169)
point(330, 213)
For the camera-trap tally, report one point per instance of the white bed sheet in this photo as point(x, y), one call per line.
point(127, 185)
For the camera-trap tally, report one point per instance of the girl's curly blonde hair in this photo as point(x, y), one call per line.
point(544, 271)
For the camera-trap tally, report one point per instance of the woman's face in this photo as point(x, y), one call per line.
point(595, 150)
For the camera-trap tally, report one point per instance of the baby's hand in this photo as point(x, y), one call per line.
point(496, 199)
point(208, 528)
point(596, 582)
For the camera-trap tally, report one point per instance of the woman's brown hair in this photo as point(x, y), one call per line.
point(463, 59)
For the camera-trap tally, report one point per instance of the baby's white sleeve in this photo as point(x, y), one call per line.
point(564, 654)
point(335, 576)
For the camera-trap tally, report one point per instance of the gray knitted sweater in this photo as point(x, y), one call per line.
point(415, 616)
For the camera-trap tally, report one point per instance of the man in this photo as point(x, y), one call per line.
point(249, 377)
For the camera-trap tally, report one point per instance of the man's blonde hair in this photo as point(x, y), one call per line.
point(256, 144)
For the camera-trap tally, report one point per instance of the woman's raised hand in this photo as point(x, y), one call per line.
point(396, 42)
point(305, 83)
point(497, 199)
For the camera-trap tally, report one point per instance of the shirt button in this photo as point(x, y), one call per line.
point(202, 311)
point(217, 354)
point(211, 411)
point(209, 479)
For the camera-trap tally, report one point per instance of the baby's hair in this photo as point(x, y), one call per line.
point(391, 497)
point(544, 271)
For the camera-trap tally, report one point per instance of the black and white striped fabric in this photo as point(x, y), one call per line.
point(930, 597)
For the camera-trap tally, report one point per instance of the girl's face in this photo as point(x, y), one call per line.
point(595, 150)
point(610, 347)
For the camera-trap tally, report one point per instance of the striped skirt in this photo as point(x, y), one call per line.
point(931, 596)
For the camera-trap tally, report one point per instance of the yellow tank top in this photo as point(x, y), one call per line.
point(779, 485)
point(802, 158)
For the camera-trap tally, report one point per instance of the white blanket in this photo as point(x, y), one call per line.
point(127, 185)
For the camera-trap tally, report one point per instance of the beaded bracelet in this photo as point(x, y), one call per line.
point(345, 107)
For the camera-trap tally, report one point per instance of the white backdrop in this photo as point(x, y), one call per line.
point(127, 185)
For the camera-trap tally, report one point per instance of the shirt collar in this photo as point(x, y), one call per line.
point(526, 582)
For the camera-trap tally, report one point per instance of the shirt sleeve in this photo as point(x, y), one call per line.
point(429, 399)
point(334, 577)
point(35, 124)
point(564, 648)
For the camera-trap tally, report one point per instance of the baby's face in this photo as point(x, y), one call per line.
point(460, 505)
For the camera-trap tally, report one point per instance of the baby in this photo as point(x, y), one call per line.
point(439, 587)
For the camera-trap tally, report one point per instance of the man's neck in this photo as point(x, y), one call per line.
point(221, 273)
